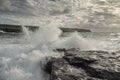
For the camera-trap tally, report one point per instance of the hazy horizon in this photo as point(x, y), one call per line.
point(61, 13)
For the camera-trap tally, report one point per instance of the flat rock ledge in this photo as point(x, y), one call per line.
point(84, 65)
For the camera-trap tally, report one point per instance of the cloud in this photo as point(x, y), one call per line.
point(15, 7)
point(5, 4)
point(58, 12)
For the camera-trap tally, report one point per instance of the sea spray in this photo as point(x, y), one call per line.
point(75, 40)
point(26, 61)
point(26, 33)
point(45, 37)
point(17, 63)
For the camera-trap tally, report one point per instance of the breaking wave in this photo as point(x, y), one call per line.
point(26, 61)
point(23, 58)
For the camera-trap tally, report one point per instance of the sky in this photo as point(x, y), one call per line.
point(61, 13)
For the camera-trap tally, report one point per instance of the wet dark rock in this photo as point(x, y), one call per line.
point(65, 50)
point(60, 50)
point(102, 74)
point(48, 67)
point(16, 28)
point(54, 0)
point(77, 61)
point(74, 29)
point(85, 65)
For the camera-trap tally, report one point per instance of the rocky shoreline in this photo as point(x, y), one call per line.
point(18, 28)
point(84, 65)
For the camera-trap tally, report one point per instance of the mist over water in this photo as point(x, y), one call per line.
point(26, 61)
point(22, 56)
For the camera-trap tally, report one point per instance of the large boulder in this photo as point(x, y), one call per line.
point(85, 65)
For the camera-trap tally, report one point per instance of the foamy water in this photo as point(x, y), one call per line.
point(25, 60)
point(22, 56)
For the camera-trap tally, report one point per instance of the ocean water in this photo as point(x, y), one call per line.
point(23, 55)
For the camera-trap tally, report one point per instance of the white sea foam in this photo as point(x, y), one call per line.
point(19, 63)
point(75, 40)
point(26, 61)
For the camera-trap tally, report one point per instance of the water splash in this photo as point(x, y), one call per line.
point(75, 40)
point(26, 61)
point(26, 33)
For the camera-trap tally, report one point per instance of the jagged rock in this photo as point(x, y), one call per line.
point(85, 65)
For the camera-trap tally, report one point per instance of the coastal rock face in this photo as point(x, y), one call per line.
point(85, 65)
